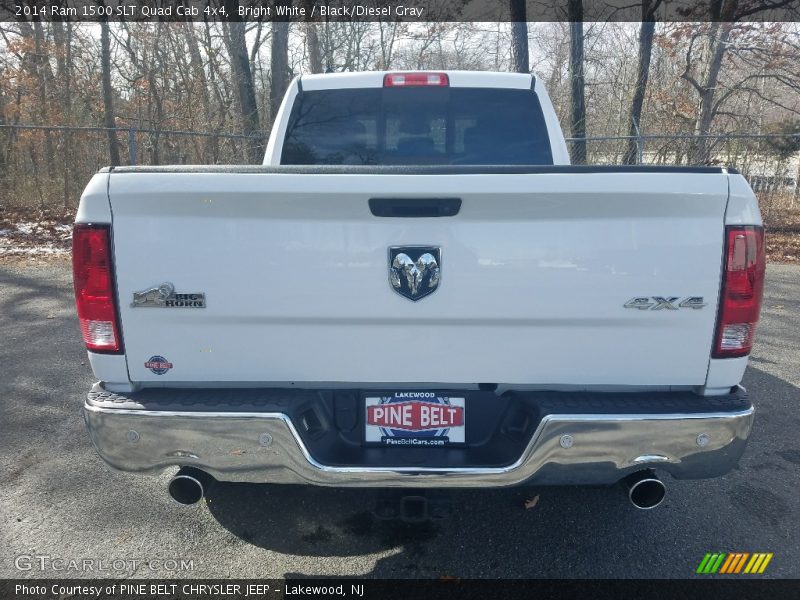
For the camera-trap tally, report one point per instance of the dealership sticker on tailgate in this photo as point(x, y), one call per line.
point(158, 364)
point(414, 419)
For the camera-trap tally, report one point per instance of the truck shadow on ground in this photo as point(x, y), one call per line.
point(315, 521)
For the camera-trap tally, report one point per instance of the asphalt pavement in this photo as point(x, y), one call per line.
point(61, 506)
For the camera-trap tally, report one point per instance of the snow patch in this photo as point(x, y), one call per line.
point(31, 251)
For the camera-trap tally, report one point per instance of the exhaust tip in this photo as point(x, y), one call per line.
point(645, 490)
point(189, 486)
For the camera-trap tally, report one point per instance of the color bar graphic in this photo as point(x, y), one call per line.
point(734, 562)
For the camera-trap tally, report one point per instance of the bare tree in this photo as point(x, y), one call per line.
point(388, 33)
point(350, 46)
point(519, 37)
point(38, 63)
point(199, 85)
point(578, 112)
point(236, 44)
point(108, 93)
point(279, 70)
point(719, 35)
point(718, 38)
point(313, 48)
point(62, 38)
point(3, 132)
point(646, 31)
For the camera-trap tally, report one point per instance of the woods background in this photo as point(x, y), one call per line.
point(78, 96)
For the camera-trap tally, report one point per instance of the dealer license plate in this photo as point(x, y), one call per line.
point(414, 419)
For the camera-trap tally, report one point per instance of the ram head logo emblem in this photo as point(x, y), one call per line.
point(415, 271)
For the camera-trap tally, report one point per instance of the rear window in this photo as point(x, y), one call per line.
point(417, 126)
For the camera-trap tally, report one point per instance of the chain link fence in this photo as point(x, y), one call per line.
point(770, 162)
point(46, 167)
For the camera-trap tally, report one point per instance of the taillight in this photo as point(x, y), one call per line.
point(742, 287)
point(93, 275)
point(415, 79)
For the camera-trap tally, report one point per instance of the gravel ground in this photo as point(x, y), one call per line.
point(58, 499)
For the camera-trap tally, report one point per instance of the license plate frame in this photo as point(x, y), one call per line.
point(414, 419)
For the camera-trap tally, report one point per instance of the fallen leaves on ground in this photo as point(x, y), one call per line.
point(782, 234)
point(530, 504)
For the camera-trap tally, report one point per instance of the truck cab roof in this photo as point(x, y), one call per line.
point(375, 79)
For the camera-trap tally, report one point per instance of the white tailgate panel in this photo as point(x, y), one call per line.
point(535, 272)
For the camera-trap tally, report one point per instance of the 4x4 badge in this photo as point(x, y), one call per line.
point(664, 302)
point(164, 296)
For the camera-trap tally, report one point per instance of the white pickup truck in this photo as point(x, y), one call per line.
point(416, 290)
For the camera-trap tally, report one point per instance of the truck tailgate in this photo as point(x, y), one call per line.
point(535, 272)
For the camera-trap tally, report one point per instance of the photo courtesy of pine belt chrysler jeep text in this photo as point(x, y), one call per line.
point(418, 290)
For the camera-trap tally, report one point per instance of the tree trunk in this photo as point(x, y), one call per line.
point(646, 32)
point(312, 42)
point(387, 34)
point(578, 112)
point(246, 93)
point(201, 81)
point(45, 76)
point(519, 37)
point(3, 144)
point(279, 68)
point(62, 37)
point(314, 49)
point(60, 42)
point(108, 93)
point(719, 38)
point(215, 91)
point(155, 94)
point(723, 14)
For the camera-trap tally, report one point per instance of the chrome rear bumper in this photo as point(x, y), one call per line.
point(564, 449)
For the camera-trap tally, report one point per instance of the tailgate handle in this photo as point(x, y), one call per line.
point(414, 207)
